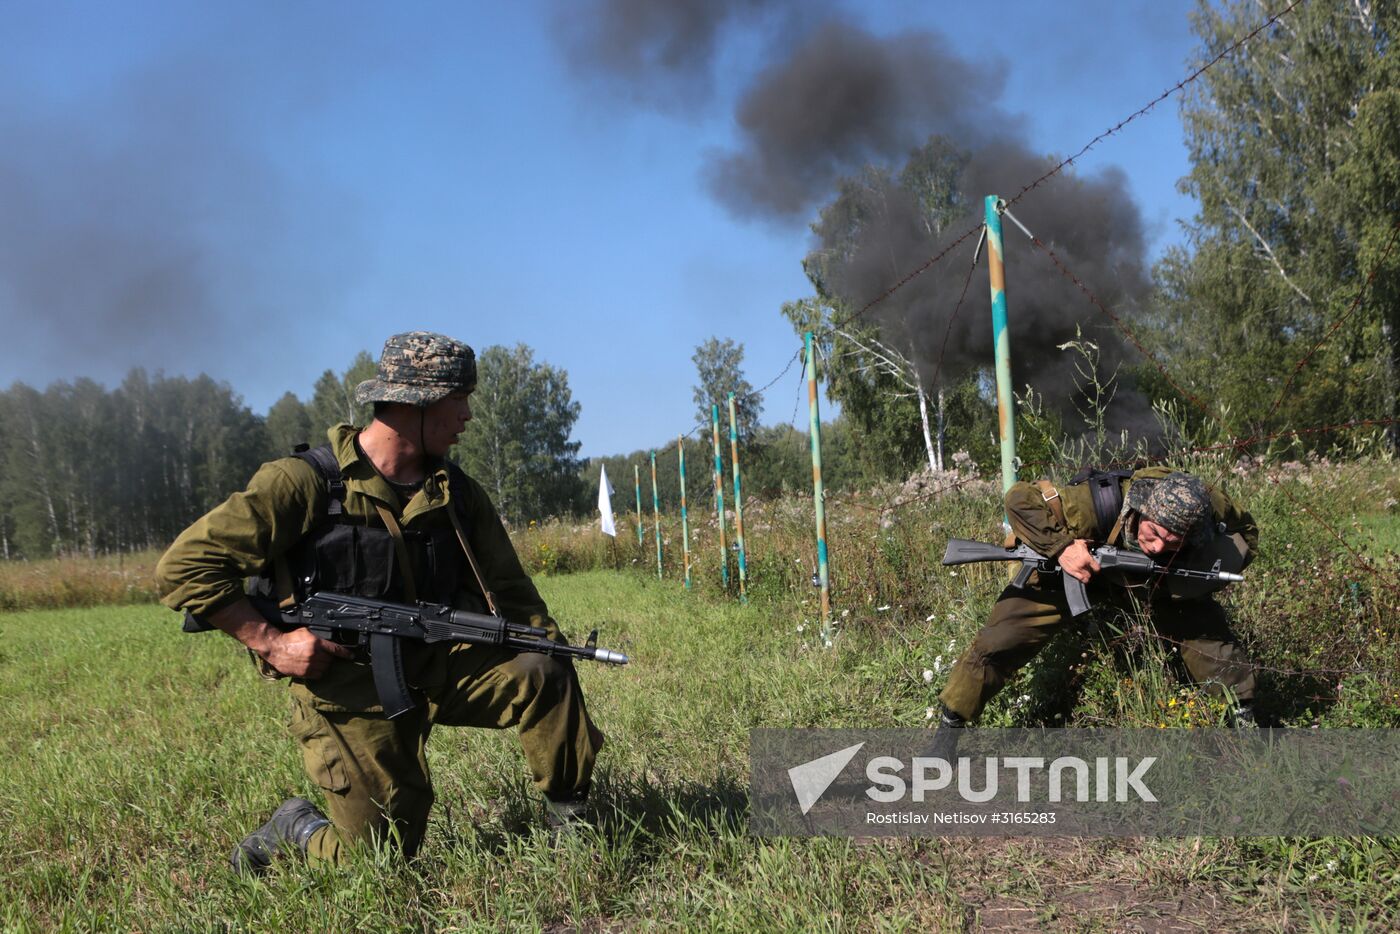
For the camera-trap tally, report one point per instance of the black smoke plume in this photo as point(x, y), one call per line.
point(882, 226)
point(845, 99)
point(665, 54)
point(900, 138)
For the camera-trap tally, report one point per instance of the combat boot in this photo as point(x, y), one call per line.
point(946, 736)
point(565, 818)
point(289, 829)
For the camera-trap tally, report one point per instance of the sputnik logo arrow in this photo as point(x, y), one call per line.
point(810, 780)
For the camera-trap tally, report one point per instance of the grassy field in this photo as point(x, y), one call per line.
point(137, 757)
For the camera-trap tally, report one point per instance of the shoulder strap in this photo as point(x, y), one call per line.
point(1052, 500)
point(410, 589)
point(323, 459)
point(1106, 490)
point(457, 480)
point(457, 496)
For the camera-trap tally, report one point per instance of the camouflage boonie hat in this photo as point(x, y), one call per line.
point(419, 368)
point(1179, 503)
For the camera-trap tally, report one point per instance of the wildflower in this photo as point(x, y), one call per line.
point(928, 713)
point(1172, 702)
point(938, 663)
point(801, 627)
point(1331, 865)
point(952, 573)
point(845, 613)
point(928, 675)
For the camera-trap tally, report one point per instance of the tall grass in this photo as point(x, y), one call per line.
point(110, 580)
point(140, 755)
point(1320, 609)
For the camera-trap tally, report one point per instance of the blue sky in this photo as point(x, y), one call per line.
point(312, 177)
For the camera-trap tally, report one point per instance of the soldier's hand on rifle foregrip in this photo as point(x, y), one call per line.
point(1078, 562)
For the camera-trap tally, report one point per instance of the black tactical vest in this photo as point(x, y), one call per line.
point(347, 554)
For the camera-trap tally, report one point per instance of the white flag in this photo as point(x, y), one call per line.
point(605, 492)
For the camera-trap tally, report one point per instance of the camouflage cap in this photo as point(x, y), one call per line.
point(419, 368)
point(1179, 503)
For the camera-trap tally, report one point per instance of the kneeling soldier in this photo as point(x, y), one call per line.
point(381, 513)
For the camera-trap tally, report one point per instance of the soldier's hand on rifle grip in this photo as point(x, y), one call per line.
point(295, 653)
point(1077, 561)
point(299, 654)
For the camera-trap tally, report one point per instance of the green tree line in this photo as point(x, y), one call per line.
point(87, 470)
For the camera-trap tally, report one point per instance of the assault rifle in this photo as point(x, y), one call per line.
point(962, 551)
point(382, 625)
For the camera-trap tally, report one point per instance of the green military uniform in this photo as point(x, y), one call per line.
point(373, 770)
point(1049, 519)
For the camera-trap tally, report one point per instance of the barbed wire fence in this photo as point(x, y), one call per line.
point(1235, 445)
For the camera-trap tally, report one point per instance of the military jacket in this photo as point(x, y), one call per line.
point(205, 569)
point(1035, 520)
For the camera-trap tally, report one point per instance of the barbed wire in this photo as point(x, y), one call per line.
point(843, 322)
point(1065, 163)
point(1361, 559)
point(1118, 323)
point(1238, 445)
point(1254, 665)
point(1179, 86)
point(1132, 338)
point(801, 384)
point(948, 331)
point(927, 264)
point(791, 360)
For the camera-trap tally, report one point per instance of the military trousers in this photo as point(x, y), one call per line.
point(1024, 619)
point(374, 771)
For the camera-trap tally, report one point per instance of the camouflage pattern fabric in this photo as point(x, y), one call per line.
point(1179, 503)
point(419, 368)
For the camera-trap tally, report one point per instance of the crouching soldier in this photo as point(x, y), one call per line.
point(1170, 516)
point(379, 512)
